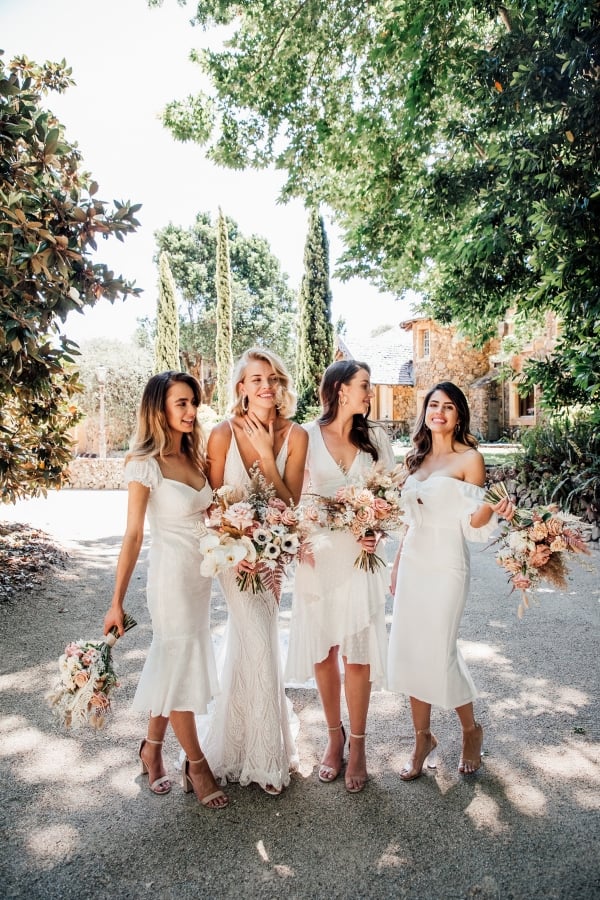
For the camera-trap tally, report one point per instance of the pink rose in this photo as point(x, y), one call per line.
point(365, 516)
point(81, 678)
point(100, 701)
point(289, 516)
point(273, 516)
point(73, 650)
point(381, 508)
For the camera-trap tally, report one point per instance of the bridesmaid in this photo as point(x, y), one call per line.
point(249, 737)
point(164, 470)
point(442, 498)
point(338, 609)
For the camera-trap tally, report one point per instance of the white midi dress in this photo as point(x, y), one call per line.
point(335, 603)
point(180, 671)
point(249, 737)
point(425, 661)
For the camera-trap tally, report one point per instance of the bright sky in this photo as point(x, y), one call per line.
point(128, 61)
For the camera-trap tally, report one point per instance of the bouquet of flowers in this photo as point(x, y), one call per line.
point(370, 506)
point(254, 525)
point(81, 696)
point(534, 544)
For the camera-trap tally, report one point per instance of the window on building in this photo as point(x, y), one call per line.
point(424, 343)
point(527, 404)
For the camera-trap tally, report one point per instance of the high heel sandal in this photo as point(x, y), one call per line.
point(418, 760)
point(188, 785)
point(328, 773)
point(359, 780)
point(164, 781)
point(470, 758)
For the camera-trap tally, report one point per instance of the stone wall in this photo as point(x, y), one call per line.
point(91, 473)
point(405, 408)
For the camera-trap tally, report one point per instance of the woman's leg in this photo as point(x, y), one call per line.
point(329, 683)
point(150, 753)
point(472, 740)
point(425, 741)
point(196, 766)
point(357, 686)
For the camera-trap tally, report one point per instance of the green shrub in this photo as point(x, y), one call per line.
point(561, 459)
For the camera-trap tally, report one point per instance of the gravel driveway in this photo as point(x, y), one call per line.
point(78, 821)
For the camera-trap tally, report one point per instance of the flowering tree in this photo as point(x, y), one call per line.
point(49, 222)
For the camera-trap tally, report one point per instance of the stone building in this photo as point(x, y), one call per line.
point(408, 359)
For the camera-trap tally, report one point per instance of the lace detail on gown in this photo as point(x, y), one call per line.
point(248, 736)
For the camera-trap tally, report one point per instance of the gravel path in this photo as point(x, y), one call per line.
point(78, 821)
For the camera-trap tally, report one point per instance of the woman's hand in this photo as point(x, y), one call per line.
point(245, 566)
point(369, 542)
point(114, 617)
point(261, 438)
point(504, 508)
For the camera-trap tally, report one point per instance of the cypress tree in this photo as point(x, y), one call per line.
point(315, 330)
point(166, 346)
point(223, 351)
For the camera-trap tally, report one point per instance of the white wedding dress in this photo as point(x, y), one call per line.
point(249, 737)
point(425, 661)
point(335, 603)
point(180, 670)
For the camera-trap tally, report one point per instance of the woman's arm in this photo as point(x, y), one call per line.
point(216, 454)
point(137, 501)
point(475, 474)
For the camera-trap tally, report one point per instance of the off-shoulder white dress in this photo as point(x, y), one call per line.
point(335, 603)
point(180, 671)
point(425, 661)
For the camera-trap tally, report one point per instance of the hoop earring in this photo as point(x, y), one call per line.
point(457, 428)
point(342, 399)
point(245, 403)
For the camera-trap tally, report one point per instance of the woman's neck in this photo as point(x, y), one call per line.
point(341, 425)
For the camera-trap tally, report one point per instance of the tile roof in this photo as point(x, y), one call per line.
point(389, 355)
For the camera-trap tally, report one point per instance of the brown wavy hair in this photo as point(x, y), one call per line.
point(335, 375)
point(421, 436)
point(152, 436)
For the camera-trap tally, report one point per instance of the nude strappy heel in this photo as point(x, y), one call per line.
point(470, 758)
point(188, 785)
point(414, 768)
point(355, 783)
point(328, 774)
point(164, 781)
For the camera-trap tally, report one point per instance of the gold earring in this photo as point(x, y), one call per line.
point(245, 403)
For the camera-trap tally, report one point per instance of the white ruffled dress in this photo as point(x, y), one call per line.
point(180, 671)
point(335, 603)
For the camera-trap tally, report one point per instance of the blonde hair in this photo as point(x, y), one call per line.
point(286, 396)
point(152, 436)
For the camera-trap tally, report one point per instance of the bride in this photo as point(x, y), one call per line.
point(249, 737)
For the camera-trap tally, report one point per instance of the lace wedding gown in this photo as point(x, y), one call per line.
point(249, 736)
point(431, 591)
point(335, 603)
point(180, 671)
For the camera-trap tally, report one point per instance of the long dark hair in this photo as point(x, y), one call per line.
point(152, 436)
point(335, 375)
point(421, 436)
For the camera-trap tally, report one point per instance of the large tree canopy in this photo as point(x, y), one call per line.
point(263, 305)
point(458, 144)
point(49, 221)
